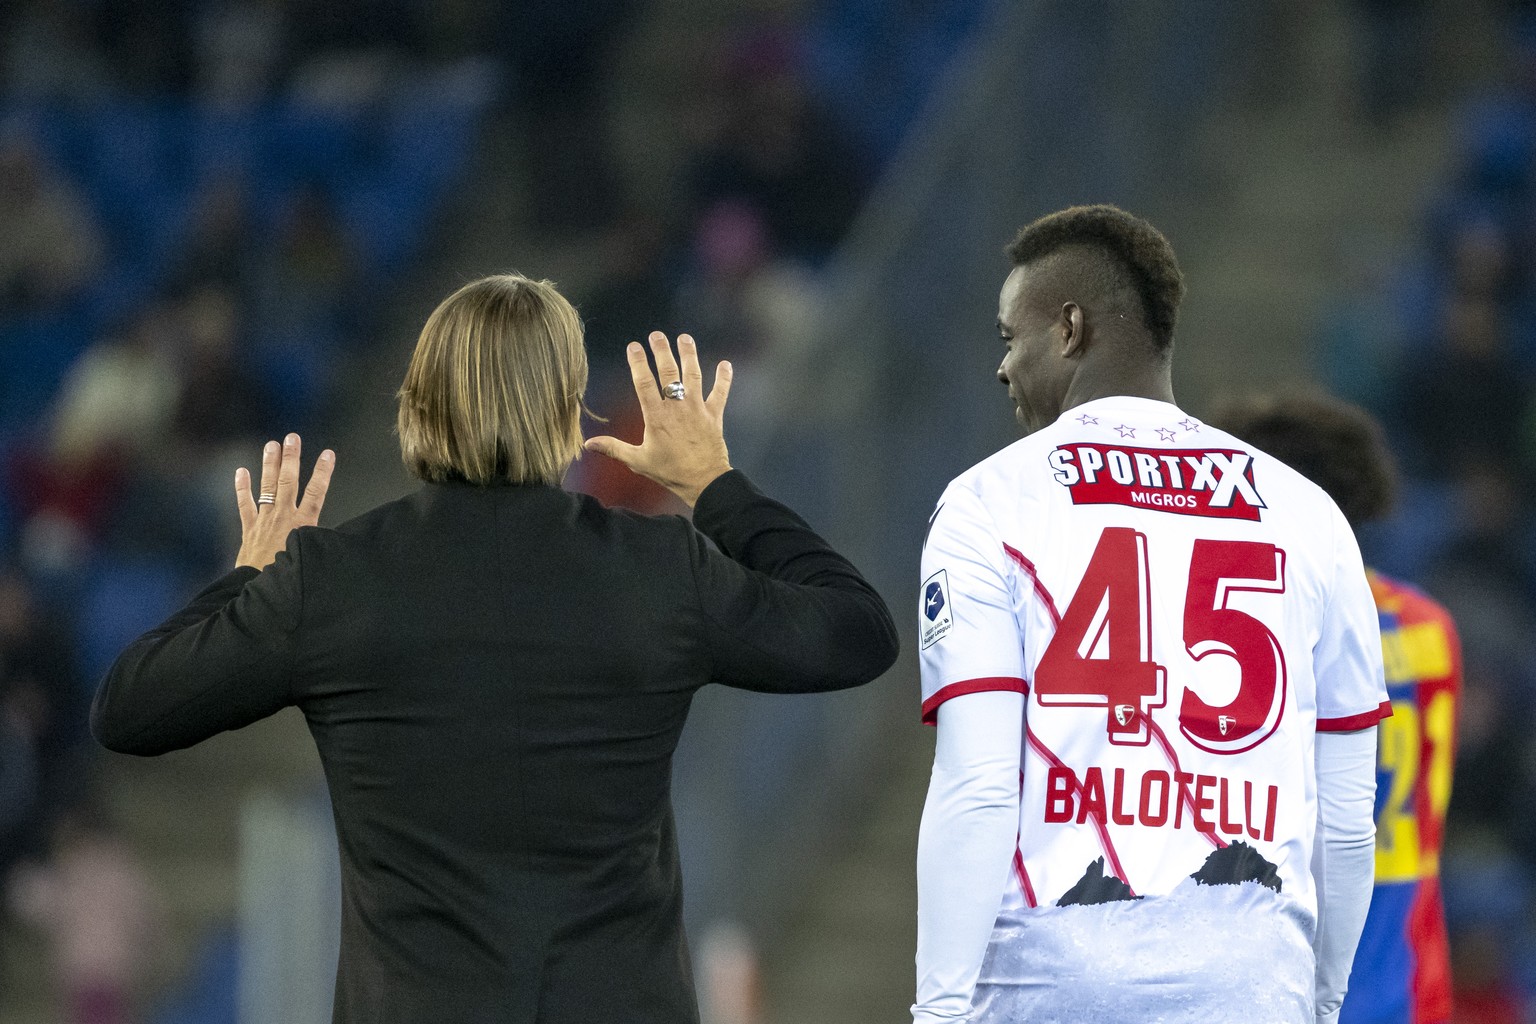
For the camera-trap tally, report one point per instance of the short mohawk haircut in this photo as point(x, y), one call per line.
point(1135, 252)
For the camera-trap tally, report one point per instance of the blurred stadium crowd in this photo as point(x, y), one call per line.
point(206, 207)
point(203, 205)
point(1442, 347)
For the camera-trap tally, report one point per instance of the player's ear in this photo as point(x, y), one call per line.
point(1070, 328)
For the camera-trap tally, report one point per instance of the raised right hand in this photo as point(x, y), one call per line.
point(684, 444)
point(265, 524)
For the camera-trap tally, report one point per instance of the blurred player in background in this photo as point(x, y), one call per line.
point(1154, 663)
point(1402, 972)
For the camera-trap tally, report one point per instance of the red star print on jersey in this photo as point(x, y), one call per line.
point(1085, 419)
point(1188, 424)
point(1125, 431)
point(1165, 434)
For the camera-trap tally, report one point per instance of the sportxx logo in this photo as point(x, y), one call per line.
point(1203, 482)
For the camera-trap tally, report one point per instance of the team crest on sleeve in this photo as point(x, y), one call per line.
point(1214, 482)
point(937, 616)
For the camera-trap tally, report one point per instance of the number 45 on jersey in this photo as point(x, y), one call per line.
point(1101, 654)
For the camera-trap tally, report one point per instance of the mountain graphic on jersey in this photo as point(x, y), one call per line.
point(1237, 862)
point(1215, 482)
point(1230, 865)
point(1096, 887)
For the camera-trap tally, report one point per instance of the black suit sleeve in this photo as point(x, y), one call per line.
point(224, 661)
point(783, 611)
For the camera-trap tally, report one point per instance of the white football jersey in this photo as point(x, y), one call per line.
point(1182, 613)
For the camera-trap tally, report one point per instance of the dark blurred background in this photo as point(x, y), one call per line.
point(221, 220)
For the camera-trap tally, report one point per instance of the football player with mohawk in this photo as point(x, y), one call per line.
point(1153, 659)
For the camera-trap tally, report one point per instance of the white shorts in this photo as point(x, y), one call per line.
point(1202, 954)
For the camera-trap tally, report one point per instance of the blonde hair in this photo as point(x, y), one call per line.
point(493, 391)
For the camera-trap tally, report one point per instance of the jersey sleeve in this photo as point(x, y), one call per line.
point(1351, 687)
point(968, 633)
point(1342, 859)
point(965, 846)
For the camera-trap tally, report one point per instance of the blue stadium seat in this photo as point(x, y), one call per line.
point(1498, 142)
point(209, 994)
point(63, 136)
point(307, 144)
point(221, 141)
point(124, 597)
point(132, 153)
point(7, 502)
point(295, 366)
point(1407, 544)
point(36, 353)
point(847, 60)
point(385, 221)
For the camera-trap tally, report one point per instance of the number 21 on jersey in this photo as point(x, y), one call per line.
point(1101, 654)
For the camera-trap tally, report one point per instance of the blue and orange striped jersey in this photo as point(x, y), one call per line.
point(1402, 972)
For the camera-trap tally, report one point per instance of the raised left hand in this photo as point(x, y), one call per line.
point(265, 525)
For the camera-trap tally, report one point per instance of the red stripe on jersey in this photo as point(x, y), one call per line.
point(1189, 801)
point(986, 684)
point(1018, 855)
point(1034, 576)
point(1350, 723)
point(1105, 842)
point(1018, 867)
point(1432, 954)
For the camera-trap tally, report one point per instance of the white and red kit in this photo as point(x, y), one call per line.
point(1144, 643)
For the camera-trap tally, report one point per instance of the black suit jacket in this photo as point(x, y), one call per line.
point(496, 678)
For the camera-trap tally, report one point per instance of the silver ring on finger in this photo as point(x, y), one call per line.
point(674, 391)
point(266, 499)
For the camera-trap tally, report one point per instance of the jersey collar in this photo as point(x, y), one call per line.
point(1148, 406)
